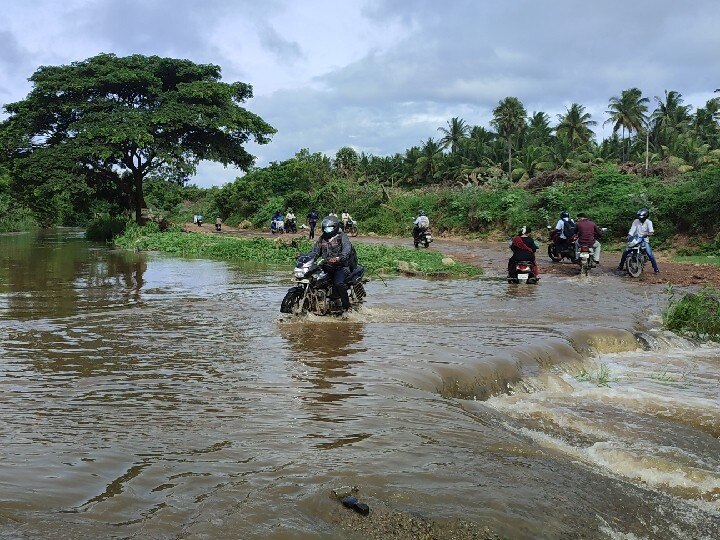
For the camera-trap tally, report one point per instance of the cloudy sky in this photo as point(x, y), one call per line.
point(383, 75)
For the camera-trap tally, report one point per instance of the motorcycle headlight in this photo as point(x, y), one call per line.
point(299, 272)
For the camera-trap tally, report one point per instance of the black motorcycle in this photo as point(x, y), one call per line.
point(314, 291)
point(559, 249)
point(290, 226)
point(423, 238)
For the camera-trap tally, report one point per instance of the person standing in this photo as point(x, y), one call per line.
point(312, 221)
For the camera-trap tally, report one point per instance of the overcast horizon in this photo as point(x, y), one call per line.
point(383, 75)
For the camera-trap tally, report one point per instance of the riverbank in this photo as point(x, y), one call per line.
point(377, 258)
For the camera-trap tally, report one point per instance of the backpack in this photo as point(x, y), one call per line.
point(569, 229)
point(352, 260)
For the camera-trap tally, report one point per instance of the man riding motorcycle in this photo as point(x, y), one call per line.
point(421, 223)
point(642, 227)
point(588, 234)
point(345, 218)
point(335, 249)
point(565, 228)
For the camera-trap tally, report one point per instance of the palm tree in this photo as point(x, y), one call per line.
point(456, 131)
point(670, 117)
point(628, 112)
point(538, 130)
point(530, 161)
point(575, 125)
point(428, 162)
point(509, 120)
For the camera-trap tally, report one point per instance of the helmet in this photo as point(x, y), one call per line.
point(564, 214)
point(525, 229)
point(330, 225)
point(643, 214)
point(421, 212)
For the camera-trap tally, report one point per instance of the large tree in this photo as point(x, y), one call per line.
point(509, 120)
point(454, 133)
point(121, 120)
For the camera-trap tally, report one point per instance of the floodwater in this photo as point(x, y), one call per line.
point(145, 396)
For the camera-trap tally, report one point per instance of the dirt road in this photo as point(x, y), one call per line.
point(493, 257)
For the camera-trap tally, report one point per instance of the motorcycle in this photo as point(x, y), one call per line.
point(423, 237)
point(351, 228)
point(637, 256)
point(314, 291)
point(525, 273)
point(291, 226)
point(218, 227)
point(199, 221)
point(277, 226)
point(585, 258)
point(559, 249)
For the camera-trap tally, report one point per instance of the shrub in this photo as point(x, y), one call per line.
point(105, 228)
point(695, 314)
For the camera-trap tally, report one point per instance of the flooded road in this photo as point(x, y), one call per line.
point(145, 396)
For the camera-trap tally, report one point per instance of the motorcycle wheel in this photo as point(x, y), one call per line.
point(634, 265)
point(353, 231)
point(291, 302)
point(417, 244)
point(427, 244)
point(553, 254)
point(584, 269)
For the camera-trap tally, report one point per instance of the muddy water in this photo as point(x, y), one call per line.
point(153, 397)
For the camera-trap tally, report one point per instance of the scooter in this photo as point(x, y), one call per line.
point(525, 273)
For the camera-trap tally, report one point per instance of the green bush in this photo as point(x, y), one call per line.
point(695, 314)
point(105, 228)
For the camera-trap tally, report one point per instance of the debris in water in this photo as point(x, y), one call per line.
point(359, 507)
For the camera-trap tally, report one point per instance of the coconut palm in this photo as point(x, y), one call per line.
point(670, 116)
point(427, 164)
point(628, 112)
point(529, 161)
point(575, 125)
point(538, 130)
point(509, 120)
point(456, 131)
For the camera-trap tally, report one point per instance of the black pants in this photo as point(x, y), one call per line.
point(312, 229)
point(339, 276)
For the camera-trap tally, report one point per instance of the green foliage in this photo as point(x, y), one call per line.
point(13, 216)
point(376, 258)
point(100, 127)
point(105, 228)
point(694, 314)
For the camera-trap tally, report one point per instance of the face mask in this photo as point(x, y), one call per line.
point(328, 230)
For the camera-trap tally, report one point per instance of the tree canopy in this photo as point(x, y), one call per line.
point(103, 125)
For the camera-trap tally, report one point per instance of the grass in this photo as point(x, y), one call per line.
point(694, 314)
point(698, 259)
point(377, 258)
point(601, 377)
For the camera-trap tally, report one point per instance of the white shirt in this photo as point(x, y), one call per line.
point(641, 229)
point(560, 226)
point(422, 221)
point(289, 216)
point(346, 216)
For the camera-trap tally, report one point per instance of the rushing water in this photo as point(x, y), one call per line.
point(148, 396)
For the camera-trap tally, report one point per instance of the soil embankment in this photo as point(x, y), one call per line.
point(493, 256)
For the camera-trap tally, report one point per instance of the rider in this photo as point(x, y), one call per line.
point(588, 233)
point(642, 227)
point(334, 247)
point(312, 221)
point(523, 248)
point(345, 218)
point(565, 228)
point(421, 223)
point(276, 219)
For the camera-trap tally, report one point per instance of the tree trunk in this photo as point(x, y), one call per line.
point(647, 151)
point(509, 159)
point(139, 198)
